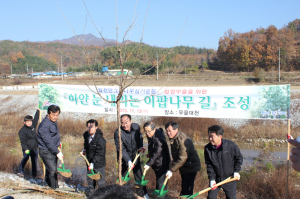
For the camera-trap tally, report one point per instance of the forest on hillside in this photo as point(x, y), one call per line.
point(249, 51)
point(47, 56)
point(261, 48)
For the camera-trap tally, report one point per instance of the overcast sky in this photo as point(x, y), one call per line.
point(206, 21)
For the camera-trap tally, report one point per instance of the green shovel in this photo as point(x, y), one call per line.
point(161, 192)
point(126, 178)
point(230, 179)
point(142, 182)
point(64, 172)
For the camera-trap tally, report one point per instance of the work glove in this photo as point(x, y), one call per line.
point(91, 166)
point(169, 174)
point(83, 152)
point(27, 152)
point(289, 137)
point(60, 145)
point(141, 150)
point(146, 167)
point(212, 184)
point(129, 164)
point(60, 155)
point(236, 174)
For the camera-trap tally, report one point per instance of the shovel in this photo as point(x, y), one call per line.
point(94, 176)
point(230, 179)
point(64, 172)
point(142, 182)
point(161, 192)
point(126, 178)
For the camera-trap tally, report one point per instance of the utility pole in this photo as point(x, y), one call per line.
point(31, 71)
point(62, 75)
point(156, 66)
point(279, 66)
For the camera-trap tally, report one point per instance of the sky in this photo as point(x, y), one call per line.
point(168, 23)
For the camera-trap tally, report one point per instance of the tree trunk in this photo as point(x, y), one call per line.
point(120, 142)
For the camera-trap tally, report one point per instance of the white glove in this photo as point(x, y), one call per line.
point(91, 166)
point(129, 164)
point(236, 174)
point(146, 167)
point(83, 152)
point(60, 155)
point(212, 184)
point(169, 174)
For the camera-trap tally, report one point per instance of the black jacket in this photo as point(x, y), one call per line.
point(131, 142)
point(159, 155)
point(28, 135)
point(96, 149)
point(48, 136)
point(222, 163)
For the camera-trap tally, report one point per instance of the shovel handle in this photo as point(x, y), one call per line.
point(166, 180)
point(230, 179)
point(134, 161)
point(144, 173)
point(62, 159)
point(87, 162)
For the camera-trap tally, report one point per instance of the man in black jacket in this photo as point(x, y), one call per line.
point(49, 141)
point(29, 143)
point(223, 159)
point(94, 149)
point(132, 142)
point(158, 153)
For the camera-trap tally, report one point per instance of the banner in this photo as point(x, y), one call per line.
point(247, 102)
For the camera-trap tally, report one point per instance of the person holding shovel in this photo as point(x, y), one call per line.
point(131, 145)
point(185, 158)
point(29, 143)
point(49, 141)
point(158, 153)
point(95, 150)
point(223, 159)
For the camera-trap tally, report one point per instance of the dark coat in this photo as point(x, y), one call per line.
point(96, 149)
point(48, 136)
point(131, 142)
point(27, 134)
point(184, 155)
point(222, 163)
point(158, 150)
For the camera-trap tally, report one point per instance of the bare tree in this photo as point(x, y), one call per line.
point(120, 53)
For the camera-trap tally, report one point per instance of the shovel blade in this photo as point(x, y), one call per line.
point(126, 179)
point(186, 196)
point(160, 193)
point(141, 182)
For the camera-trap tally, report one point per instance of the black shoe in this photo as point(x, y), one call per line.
point(21, 175)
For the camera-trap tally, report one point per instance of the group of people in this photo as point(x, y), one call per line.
point(222, 157)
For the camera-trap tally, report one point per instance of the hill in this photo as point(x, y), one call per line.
point(87, 40)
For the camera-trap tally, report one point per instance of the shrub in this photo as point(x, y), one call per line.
point(259, 74)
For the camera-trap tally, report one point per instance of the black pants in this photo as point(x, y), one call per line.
point(92, 183)
point(229, 189)
point(160, 178)
point(187, 184)
point(50, 161)
point(137, 172)
point(33, 156)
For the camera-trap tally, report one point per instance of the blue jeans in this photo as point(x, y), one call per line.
point(33, 156)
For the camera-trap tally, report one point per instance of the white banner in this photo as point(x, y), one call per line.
point(208, 102)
